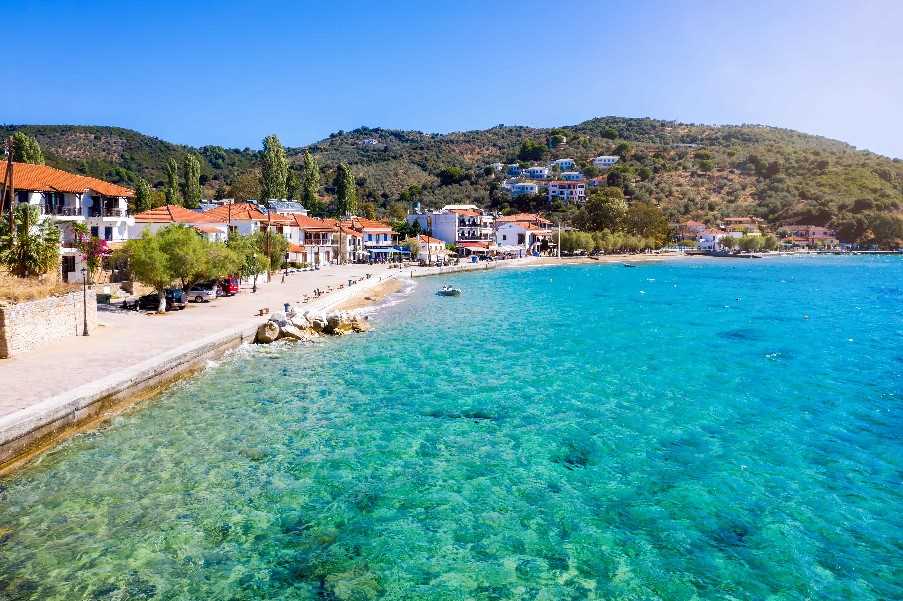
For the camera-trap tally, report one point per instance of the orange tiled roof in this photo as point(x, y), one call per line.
point(430, 239)
point(312, 224)
point(361, 223)
point(48, 179)
point(295, 248)
point(174, 214)
point(465, 212)
point(521, 217)
point(240, 211)
point(209, 229)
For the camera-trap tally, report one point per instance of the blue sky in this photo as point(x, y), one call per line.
point(230, 73)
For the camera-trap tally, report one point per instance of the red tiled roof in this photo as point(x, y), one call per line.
point(560, 182)
point(295, 248)
point(362, 223)
point(474, 244)
point(521, 217)
point(430, 239)
point(465, 212)
point(48, 179)
point(240, 211)
point(174, 214)
point(312, 224)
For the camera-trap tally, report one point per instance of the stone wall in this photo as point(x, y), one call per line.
point(24, 326)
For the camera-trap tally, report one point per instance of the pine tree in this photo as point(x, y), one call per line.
point(346, 190)
point(26, 149)
point(191, 181)
point(142, 196)
point(273, 169)
point(173, 197)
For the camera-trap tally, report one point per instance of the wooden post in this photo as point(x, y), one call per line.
point(9, 189)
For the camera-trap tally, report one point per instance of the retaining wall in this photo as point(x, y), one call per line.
point(26, 325)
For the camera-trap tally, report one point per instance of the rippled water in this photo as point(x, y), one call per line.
point(712, 430)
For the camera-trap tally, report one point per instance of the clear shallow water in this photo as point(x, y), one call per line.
point(717, 430)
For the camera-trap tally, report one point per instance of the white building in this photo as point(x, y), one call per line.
point(536, 172)
point(68, 198)
point(571, 176)
point(431, 249)
point(514, 169)
point(567, 191)
point(523, 234)
point(605, 161)
point(521, 188)
point(455, 223)
point(564, 164)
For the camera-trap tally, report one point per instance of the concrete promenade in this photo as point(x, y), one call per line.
point(51, 392)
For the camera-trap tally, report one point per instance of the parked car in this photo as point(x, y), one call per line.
point(229, 286)
point(202, 293)
point(175, 299)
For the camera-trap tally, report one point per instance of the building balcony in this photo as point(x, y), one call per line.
point(57, 211)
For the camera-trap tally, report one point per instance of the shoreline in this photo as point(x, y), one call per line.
point(28, 433)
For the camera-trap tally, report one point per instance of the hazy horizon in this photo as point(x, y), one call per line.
point(232, 74)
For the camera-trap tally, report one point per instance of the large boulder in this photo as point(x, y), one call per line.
point(290, 331)
point(359, 324)
point(267, 332)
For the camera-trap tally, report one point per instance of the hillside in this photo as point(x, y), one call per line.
point(692, 171)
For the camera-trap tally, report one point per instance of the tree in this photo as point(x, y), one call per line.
point(413, 245)
point(278, 246)
point(346, 190)
point(26, 149)
point(450, 175)
point(173, 196)
point(769, 242)
point(293, 186)
point(149, 264)
point(728, 242)
point(610, 133)
point(186, 252)
point(273, 169)
point(310, 181)
point(605, 209)
point(647, 220)
point(368, 210)
point(398, 211)
point(92, 248)
point(749, 243)
point(222, 261)
point(245, 186)
point(191, 181)
point(251, 260)
point(887, 230)
point(32, 247)
point(623, 150)
point(143, 200)
point(531, 151)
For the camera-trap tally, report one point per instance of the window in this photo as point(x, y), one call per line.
point(108, 233)
point(369, 237)
point(94, 231)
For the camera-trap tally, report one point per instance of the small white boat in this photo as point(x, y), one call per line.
point(447, 290)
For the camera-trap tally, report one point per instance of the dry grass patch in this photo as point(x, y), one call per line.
point(17, 290)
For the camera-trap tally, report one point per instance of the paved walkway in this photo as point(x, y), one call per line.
point(127, 338)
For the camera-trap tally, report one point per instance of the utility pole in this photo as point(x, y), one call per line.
point(9, 189)
point(269, 220)
point(429, 236)
point(558, 250)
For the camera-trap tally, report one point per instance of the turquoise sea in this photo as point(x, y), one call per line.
point(684, 430)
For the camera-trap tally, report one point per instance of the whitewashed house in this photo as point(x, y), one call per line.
point(605, 161)
point(567, 191)
point(564, 164)
point(536, 172)
point(68, 198)
point(571, 176)
point(455, 224)
point(521, 188)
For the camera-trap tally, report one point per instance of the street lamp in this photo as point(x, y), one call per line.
point(85, 301)
point(254, 287)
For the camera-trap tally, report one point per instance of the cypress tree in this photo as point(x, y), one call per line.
point(273, 169)
point(191, 181)
point(173, 197)
point(346, 190)
point(310, 182)
point(142, 196)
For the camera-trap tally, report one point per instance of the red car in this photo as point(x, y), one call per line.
point(229, 286)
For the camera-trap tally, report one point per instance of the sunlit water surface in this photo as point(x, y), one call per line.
point(712, 430)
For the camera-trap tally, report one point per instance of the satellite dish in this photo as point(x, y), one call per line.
point(89, 201)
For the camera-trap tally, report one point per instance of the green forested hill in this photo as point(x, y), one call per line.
point(691, 171)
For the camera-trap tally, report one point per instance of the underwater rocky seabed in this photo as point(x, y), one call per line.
point(712, 430)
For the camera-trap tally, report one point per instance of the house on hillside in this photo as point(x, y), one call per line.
point(68, 198)
point(536, 172)
point(752, 226)
point(522, 188)
point(567, 191)
point(605, 161)
point(690, 230)
point(563, 164)
point(571, 176)
point(243, 218)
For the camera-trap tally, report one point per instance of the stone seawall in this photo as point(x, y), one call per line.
point(26, 325)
